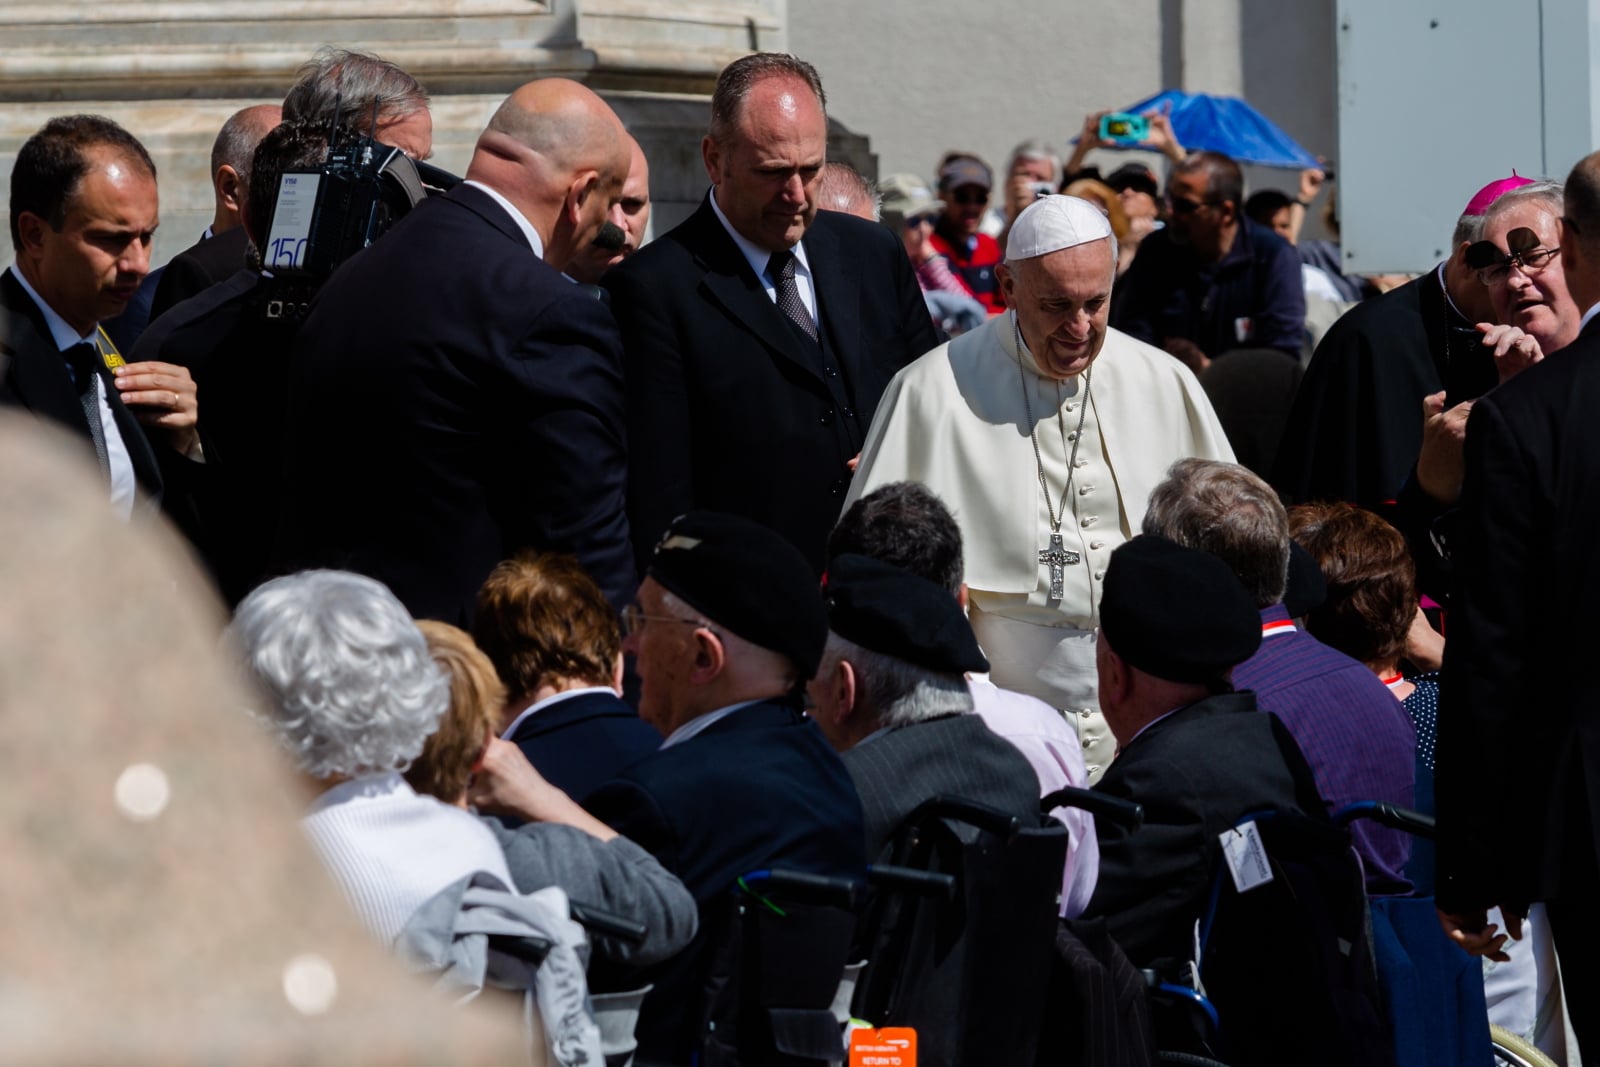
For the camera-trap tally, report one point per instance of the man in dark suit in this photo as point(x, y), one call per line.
point(1518, 771)
point(760, 333)
point(83, 212)
point(224, 336)
point(220, 252)
point(454, 397)
point(555, 643)
point(1173, 623)
point(891, 696)
point(728, 626)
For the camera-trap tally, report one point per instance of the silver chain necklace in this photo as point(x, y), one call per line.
point(1057, 556)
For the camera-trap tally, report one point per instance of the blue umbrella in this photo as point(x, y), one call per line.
point(1229, 125)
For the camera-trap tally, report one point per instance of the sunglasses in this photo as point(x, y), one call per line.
point(970, 196)
point(1493, 266)
point(926, 219)
point(1182, 205)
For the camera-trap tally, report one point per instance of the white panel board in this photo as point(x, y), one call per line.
point(1436, 98)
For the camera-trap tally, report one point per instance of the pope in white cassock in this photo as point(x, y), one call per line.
point(1044, 431)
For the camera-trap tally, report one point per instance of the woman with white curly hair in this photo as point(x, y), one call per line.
point(354, 692)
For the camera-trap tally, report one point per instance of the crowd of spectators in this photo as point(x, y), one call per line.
point(584, 576)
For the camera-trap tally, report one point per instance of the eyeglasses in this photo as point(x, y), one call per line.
point(1493, 267)
point(1182, 205)
point(634, 618)
point(970, 196)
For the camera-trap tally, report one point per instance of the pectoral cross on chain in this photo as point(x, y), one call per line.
point(1056, 557)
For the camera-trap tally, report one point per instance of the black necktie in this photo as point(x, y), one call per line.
point(780, 268)
point(81, 361)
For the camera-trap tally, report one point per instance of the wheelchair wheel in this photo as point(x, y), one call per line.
point(1513, 1051)
point(1187, 1059)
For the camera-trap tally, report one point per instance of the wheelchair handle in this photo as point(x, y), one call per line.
point(990, 820)
point(1391, 815)
point(598, 921)
point(811, 888)
point(912, 881)
point(1123, 813)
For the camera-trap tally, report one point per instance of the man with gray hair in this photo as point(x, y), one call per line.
point(891, 696)
point(846, 189)
point(1034, 170)
point(1355, 734)
point(338, 86)
point(1043, 431)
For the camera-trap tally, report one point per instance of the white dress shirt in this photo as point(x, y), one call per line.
point(758, 257)
point(694, 727)
point(124, 485)
point(534, 240)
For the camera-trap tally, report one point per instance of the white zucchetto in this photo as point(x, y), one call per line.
point(1052, 223)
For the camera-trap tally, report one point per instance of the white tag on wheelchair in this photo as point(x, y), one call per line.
point(1246, 856)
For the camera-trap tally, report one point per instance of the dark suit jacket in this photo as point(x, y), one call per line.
point(956, 755)
point(1196, 772)
point(34, 376)
point(584, 741)
point(226, 340)
point(730, 407)
point(203, 264)
point(1518, 751)
point(453, 400)
point(760, 788)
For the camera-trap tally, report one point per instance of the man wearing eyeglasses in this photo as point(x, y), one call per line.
point(1518, 766)
point(1211, 280)
point(727, 628)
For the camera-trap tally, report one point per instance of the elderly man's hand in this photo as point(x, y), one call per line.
point(1441, 462)
point(507, 784)
point(162, 395)
point(1478, 936)
point(1514, 351)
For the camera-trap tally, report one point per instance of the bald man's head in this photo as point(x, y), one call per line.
point(231, 153)
point(558, 152)
point(630, 219)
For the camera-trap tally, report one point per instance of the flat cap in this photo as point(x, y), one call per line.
point(747, 578)
point(895, 613)
point(1175, 612)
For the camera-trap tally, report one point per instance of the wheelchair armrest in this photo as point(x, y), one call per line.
point(911, 881)
point(1391, 815)
point(982, 816)
point(810, 888)
point(597, 921)
point(1124, 813)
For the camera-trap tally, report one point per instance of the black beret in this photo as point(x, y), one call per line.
point(895, 613)
point(747, 578)
point(1306, 588)
point(1177, 613)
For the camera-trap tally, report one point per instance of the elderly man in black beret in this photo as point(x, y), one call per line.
point(727, 628)
point(1173, 624)
point(892, 697)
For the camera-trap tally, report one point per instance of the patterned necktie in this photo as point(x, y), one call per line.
point(780, 268)
point(81, 360)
